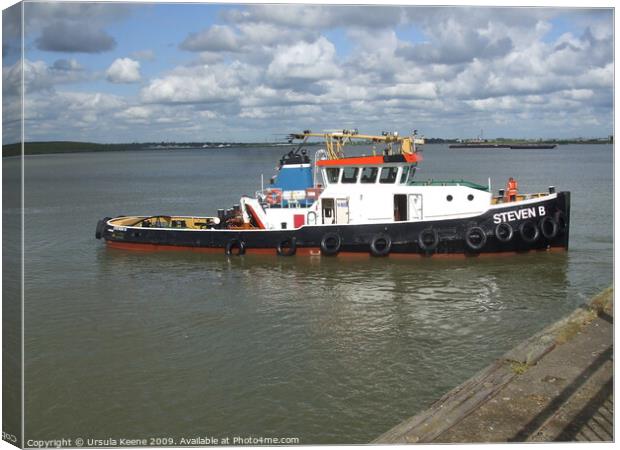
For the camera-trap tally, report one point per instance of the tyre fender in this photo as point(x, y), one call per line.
point(428, 246)
point(523, 231)
point(376, 247)
point(548, 227)
point(472, 244)
point(560, 219)
point(287, 247)
point(101, 227)
point(230, 246)
point(504, 232)
point(330, 244)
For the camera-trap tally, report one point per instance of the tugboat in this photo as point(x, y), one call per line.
point(369, 204)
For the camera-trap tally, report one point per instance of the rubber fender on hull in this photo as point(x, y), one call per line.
point(380, 245)
point(529, 231)
point(560, 219)
point(287, 247)
point(504, 232)
point(428, 240)
point(330, 244)
point(235, 243)
point(475, 238)
point(548, 227)
point(101, 227)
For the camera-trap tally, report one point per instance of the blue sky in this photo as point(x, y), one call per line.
point(114, 72)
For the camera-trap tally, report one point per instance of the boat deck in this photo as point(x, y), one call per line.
point(432, 182)
point(185, 222)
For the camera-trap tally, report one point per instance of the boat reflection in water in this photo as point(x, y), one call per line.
point(299, 340)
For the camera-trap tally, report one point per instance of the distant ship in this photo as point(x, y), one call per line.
point(477, 145)
point(517, 146)
point(483, 143)
point(525, 146)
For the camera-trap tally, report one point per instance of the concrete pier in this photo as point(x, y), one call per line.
point(555, 386)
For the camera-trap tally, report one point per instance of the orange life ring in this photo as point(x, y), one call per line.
point(274, 196)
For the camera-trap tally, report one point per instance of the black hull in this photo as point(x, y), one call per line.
point(430, 237)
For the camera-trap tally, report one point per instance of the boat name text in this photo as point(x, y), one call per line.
point(519, 214)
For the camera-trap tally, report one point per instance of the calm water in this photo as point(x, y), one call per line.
point(130, 344)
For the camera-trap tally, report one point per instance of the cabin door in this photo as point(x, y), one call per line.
point(415, 206)
point(400, 207)
point(328, 211)
point(342, 210)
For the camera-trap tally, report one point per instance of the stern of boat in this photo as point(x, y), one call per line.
point(100, 228)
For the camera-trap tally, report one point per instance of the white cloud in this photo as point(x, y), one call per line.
point(124, 70)
point(269, 67)
point(38, 76)
point(269, 34)
point(199, 84)
point(59, 26)
point(216, 38)
point(304, 62)
point(410, 90)
point(318, 17)
point(68, 37)
point(301, 112)
point(85, 112)
point(135, 113)
point(66, 65)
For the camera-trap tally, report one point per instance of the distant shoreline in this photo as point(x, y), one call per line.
point(52, 147)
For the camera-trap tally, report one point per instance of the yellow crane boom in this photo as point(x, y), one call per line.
point(336, 140)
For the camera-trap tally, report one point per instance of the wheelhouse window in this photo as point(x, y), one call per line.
point(349, 174)
point(388, 175)
point(369, 174)
point(332, 174)
point(411, 173)
point(404, 174)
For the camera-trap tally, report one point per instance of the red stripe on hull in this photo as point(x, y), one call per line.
point(308, 251)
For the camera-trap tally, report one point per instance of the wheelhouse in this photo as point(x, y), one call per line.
point(369, 175)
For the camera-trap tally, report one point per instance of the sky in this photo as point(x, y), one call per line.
point(138, 72)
